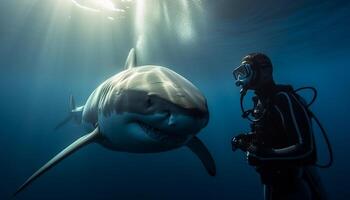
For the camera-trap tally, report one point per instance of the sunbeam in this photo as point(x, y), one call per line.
point(150, 19)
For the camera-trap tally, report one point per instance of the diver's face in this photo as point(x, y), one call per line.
point(243, 75)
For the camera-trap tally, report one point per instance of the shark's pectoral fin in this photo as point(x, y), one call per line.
point(203, 154)
point(86, 139)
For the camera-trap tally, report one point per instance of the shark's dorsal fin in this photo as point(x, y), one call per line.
point(131, 59)
point(198, 148)
point(86, 139)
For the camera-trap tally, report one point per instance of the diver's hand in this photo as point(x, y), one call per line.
point(241, 141)
point(252, 159)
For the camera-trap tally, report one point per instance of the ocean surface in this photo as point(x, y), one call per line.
point(50, 49)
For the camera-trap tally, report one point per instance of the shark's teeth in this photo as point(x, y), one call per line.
point(159, 135)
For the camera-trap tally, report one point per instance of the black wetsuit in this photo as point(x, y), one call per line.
point(285, 148)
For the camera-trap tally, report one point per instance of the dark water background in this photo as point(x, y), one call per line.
point(44, 59)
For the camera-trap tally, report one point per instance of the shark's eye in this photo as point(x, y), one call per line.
point(149, 102)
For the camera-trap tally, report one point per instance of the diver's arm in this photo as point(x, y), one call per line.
point(296, 121)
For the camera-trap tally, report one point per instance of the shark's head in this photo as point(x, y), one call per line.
point(146, 109)
point(149, 109)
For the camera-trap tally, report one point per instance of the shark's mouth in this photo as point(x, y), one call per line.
point(162, 136)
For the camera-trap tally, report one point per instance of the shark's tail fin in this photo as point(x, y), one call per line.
point(74, 113)
point(71, 103)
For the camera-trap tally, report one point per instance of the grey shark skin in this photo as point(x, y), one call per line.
point(142, 109)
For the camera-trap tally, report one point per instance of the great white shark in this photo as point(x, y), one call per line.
point(142, 109)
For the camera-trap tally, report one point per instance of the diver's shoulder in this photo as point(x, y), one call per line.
point(284, 88)
point(283, 94)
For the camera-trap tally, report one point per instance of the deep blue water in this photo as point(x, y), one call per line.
point(45, 57)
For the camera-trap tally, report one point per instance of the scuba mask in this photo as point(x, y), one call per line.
point(243, 75)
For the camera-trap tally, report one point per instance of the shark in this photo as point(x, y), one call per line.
point(142, 109)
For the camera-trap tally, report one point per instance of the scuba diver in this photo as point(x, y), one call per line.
point(281, 145)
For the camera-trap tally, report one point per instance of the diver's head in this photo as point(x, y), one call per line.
point(254, 72)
